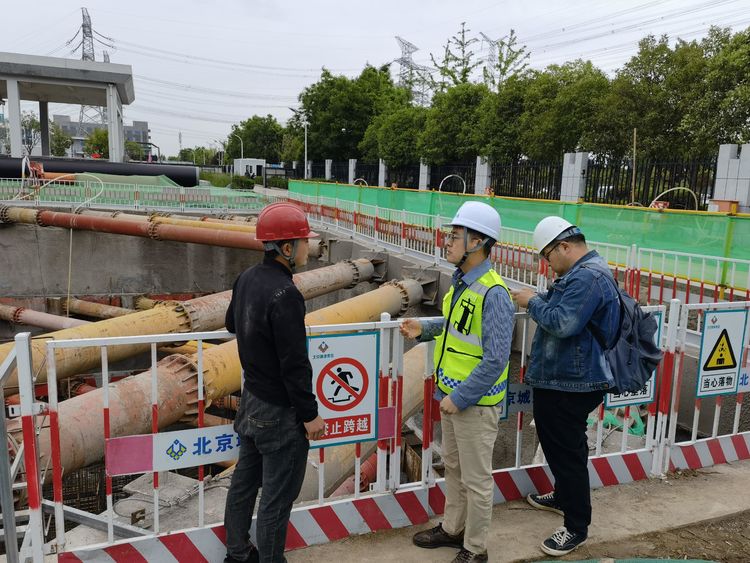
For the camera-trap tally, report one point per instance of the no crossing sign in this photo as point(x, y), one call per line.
point(345, 382)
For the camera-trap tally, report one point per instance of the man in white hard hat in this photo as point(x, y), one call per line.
point(471, 374)
point(567, 369)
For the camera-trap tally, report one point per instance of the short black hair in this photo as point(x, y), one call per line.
point(575, 239)
point(488, 243)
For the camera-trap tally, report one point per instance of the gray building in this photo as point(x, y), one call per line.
point(138, 132)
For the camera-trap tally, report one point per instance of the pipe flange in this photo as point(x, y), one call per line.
point(38, 219)
point(17, 315)
point(404, 296)
point(4, 214)
point(153, 231)
point(355, 274)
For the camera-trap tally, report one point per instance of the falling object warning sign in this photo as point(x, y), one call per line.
point(721, 356)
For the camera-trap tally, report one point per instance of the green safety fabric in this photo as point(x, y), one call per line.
point(708, 234)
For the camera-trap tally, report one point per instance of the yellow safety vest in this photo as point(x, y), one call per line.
point(459, 347)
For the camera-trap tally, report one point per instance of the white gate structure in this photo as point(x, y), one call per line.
point(686, 332)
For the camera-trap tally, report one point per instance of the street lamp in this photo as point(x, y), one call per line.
point(224, 146)
point(305, 123)
point(242, 145)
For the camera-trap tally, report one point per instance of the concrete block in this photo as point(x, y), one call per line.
point(482, 177)
point(424, 175)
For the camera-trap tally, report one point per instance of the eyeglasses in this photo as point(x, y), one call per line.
point(550, 251)
point(450, 237)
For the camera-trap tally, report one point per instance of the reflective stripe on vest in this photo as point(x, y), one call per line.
point(459, 347)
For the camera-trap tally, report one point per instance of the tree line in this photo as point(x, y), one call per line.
point(684, 99)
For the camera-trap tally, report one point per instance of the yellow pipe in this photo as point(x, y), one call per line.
point(200, 314)
point(80, 417)
point(203, 224)
point(222, 370)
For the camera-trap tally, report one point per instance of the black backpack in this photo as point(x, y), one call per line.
point(634, 355)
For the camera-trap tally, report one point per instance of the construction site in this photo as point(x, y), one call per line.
point(121, 382)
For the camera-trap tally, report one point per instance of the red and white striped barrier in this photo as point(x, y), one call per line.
point(710, 452)
point(313, 525)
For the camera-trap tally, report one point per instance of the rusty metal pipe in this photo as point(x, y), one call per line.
point(156, 231)
point(200, 314)
point(24, 316)
point(96, 310)
point(130, 401)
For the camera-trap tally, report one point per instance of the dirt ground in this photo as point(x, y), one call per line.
point(726, 540)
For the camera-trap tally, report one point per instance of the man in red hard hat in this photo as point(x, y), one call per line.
point(278, 414)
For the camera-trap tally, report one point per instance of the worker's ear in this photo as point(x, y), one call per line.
point(286, 248)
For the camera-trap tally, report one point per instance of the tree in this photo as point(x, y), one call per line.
point(449, 135)
point(512, 60)
point(59, 141)
point(339, 110)
point(31, 131)
point(133, 150)
point(647, 94)
point(718, 109)
point(457, 64)
point(261, 138)
point(498, 133)
point(560, 104)
point(97, 143)
point(398, 136)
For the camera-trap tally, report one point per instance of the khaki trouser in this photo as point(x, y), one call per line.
point(468, 440)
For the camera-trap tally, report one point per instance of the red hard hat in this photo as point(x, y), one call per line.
point(282, 221)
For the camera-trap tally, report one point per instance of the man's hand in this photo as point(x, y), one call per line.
point(522, 296)
point(410, 328)
point(447, 406)
point(315, 429)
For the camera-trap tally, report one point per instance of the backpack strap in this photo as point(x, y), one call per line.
point(598, 336)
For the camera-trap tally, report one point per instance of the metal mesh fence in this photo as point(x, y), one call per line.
point(536, 180)
point(403, 176)
point(340, 171)
point(613, 182)
point(453, 177)
point(367, 171)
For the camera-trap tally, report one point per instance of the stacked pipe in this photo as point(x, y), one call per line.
point(82, 441)
point(200, 314)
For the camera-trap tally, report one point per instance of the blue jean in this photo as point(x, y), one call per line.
point(273, 453)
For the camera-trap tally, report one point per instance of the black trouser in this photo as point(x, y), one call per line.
point(560, 419)
point(273, 453)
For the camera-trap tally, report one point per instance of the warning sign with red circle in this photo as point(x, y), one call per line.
point(345, 381)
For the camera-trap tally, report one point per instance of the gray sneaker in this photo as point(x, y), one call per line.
point(545, 502)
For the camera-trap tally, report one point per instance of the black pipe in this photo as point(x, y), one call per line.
point(183, 175)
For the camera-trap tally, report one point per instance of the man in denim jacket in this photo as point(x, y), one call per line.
point(568, 370)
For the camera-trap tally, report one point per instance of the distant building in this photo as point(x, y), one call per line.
point(137, 132)
point(4, 136)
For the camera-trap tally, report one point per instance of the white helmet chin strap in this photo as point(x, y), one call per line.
point(468, 251)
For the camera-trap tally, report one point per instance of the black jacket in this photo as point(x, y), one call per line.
point(267, 313)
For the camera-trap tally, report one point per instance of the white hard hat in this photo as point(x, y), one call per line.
point(479, 217)
point(549, 228)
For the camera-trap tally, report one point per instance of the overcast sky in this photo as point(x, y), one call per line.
point(201, 66)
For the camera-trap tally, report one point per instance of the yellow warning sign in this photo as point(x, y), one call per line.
point(722, 355)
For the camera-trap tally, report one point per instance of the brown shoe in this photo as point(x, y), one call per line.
point(437, 537)
point(466, 556)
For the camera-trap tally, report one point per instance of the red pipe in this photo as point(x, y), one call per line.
point(158, 231)
point(367, 474)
